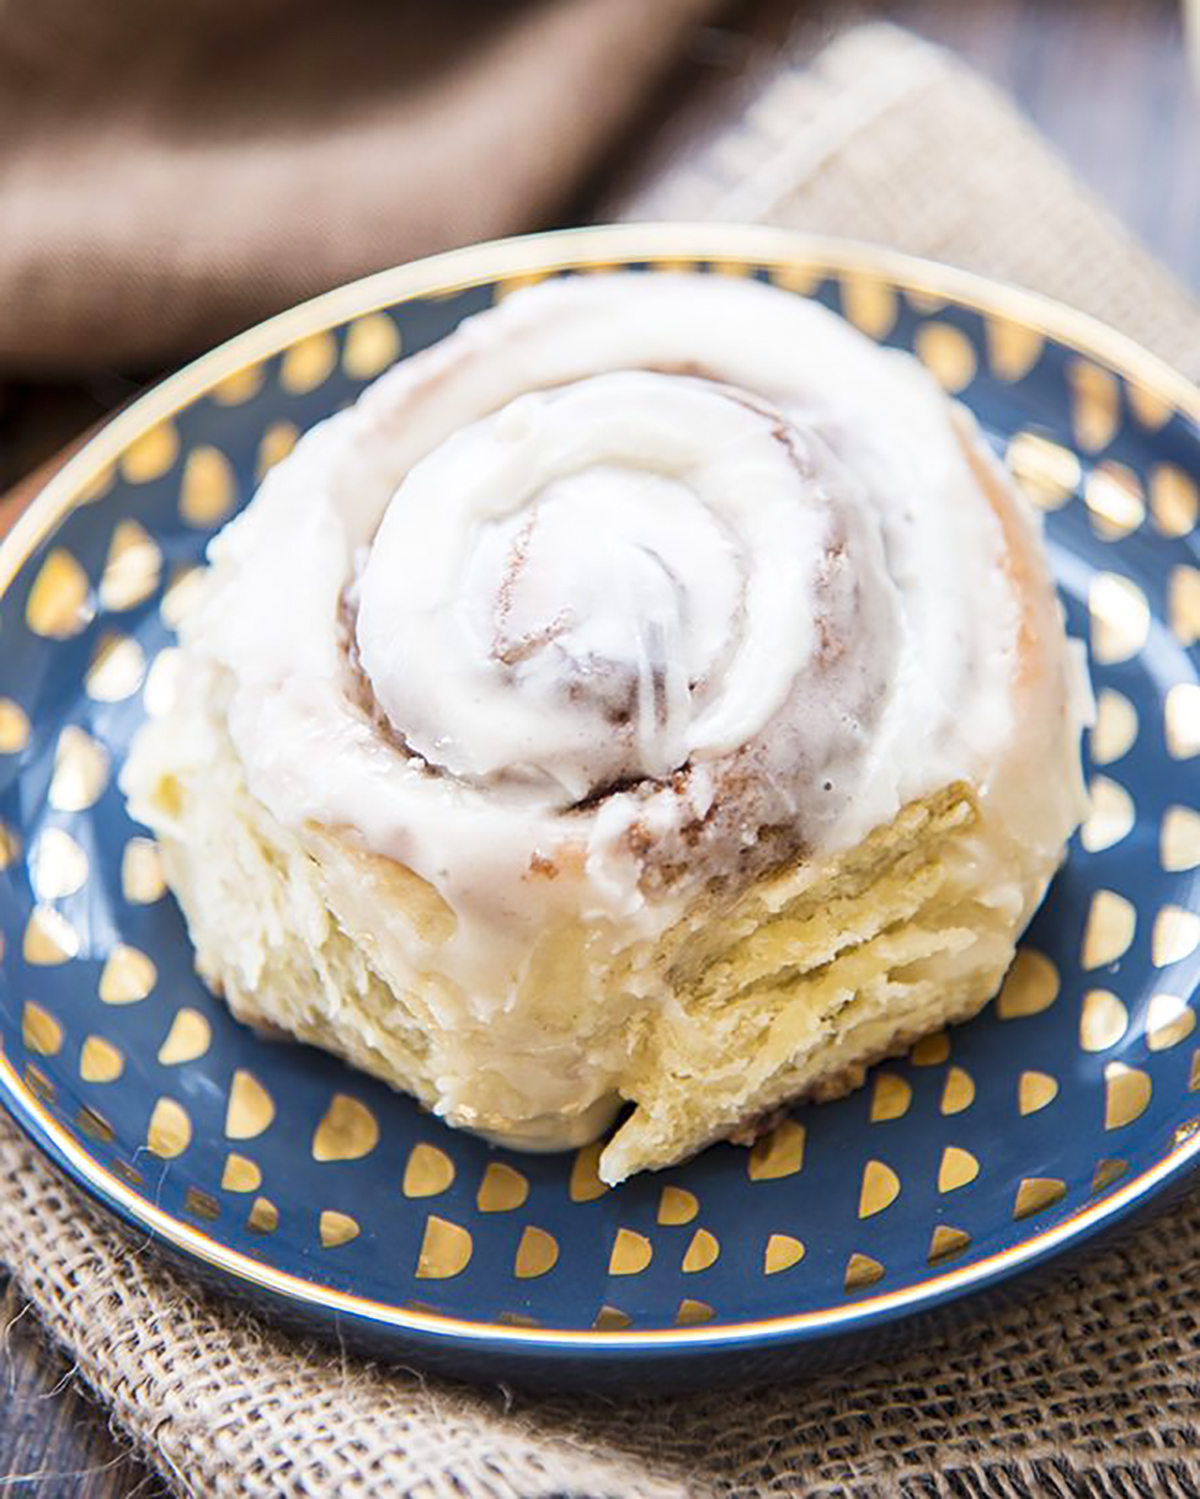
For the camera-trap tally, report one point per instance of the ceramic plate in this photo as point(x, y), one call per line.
point(287, 1179)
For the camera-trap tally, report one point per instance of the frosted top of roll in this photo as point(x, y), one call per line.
point(640, 578)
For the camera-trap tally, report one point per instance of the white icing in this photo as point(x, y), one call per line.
point(835, 600)
point(595, 584)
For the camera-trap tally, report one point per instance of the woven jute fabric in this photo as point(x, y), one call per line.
point(1091, 1387)
point(886, 138)
point(170, 175)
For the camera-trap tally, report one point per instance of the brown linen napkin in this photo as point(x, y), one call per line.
point(170, 174)
point(1091, 1387)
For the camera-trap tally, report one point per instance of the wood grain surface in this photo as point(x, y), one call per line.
point(1105, 80)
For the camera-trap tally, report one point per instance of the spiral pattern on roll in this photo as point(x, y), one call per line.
point(638, 580)
point(605, 582)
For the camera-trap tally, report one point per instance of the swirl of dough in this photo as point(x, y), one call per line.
point(605, 581)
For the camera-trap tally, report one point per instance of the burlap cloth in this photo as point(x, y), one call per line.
point(1091, 1388)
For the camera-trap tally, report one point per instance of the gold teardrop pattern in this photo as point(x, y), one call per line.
point(58, 866)
point(239, 387)
point(537, 1253)
point(263, 1217)
point(958, 1168)
point(277, 442)
point(1151, 409)
point(1115, 501)
point(1048, 473)
point(128, 975)
point(585, 1184)
point(693, 1313)
point(372, 345)
point(49, 939)
point(428, 1172)
point(869, 303)
point(80, 771)
point(142, 881)
point(891, 1095)
point(793, 277)
point(631, 1253)
point(14, 727)
point(879, 1189)
point(947, 1243)
point(308, 363)
point(1181, 720)
point(702, 1253)
point(1111, 924)
point(958, 1094)
point(250, 1110)
point(1179, 839)
point(1127, 1093)
point(1031, 985)
point(611, 1319)
point(337, 1229)
point(208, 491)
point(1176, 936)
point(151, 455)
point(59, 605)
point(40, 1031)
point(931, 1050)
point(782, 1252)
point(1174, 501)
point(861, 1271)
point(1103, 1020)
point(676, 1206)
point(117, 668)
point(10, 846)
point(1037, 1193)
point(348, 1132)
point(502, 1190)
point(445, 1250)
point(1118, 618)
point(947, 353)
point(132, 567)
point(1169, 1020)
point(97, 486)
point(100, 1061)
point(1035, 1092)
point(1116, 728)
point(1107, 1172)
point(1095, 404)
point(240, 1174)
point(1183, 604)
point(778, 1154)
point(1013, 348)
point(170, 1131)
point(188, 1039)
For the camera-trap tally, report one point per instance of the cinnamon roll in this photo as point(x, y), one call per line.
point(649, 702)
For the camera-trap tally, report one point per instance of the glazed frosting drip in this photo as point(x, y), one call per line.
point(657, 579)
point(601, 583)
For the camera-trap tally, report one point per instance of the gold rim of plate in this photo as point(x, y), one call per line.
point(544, 254)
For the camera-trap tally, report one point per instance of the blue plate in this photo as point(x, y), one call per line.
point(321, 1196)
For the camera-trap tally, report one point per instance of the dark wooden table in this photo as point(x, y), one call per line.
point(1105, 80)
